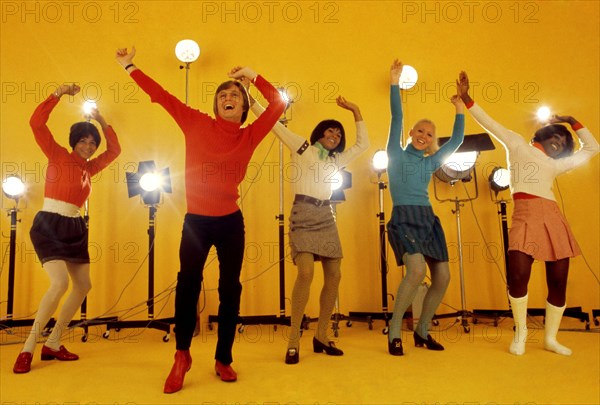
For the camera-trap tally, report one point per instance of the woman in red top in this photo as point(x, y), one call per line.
point(217, 153)
point(59, 234)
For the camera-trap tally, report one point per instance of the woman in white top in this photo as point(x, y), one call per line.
point(313, 232)
point(539, 230)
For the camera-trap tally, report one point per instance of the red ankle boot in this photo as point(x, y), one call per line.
point(183, 363)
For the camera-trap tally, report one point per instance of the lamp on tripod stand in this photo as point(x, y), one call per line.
point(379, 163)
point(148, 182)
point(460, 167)
point(187, 51)
point(498, 180)
point(13, 188)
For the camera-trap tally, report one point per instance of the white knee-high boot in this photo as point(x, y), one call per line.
point(519, 311)
point(553, 318)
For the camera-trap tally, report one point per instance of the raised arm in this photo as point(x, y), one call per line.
point(40, 116)
point(458, 132)
point(270, 116)
point(125, 59)
point(290, 139)
point(182, 114)
point(113, 148)
point(395, 134)
point(588, 144)
point(507, 137)
point(362, 138)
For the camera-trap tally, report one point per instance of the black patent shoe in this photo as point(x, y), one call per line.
point(292, 356)
point(329, 348)
point(430, 342)
point(395, 347)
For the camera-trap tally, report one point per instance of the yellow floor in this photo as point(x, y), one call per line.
point(131, 365)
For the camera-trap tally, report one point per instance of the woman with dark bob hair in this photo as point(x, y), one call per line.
point(313, 231)
point(539, 230)
point(59, 234)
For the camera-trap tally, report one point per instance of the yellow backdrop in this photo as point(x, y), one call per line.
point(519, 55)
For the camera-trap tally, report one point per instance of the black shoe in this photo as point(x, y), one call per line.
point(329, 348)
point(395, 347)
point(429, 342)
point(292, 356)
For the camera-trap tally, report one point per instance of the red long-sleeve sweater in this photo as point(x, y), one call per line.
point(217, 152)
point(68, 175)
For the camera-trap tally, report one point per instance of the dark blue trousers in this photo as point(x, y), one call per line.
point(199, 234)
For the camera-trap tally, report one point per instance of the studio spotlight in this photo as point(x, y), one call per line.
point(342, 180)
point(379, 162)
point(499, 179)
point(460, 165)
point(457, 167)
point(187, 50)
point(13, 187)
point(148, 182)
point(408, 77)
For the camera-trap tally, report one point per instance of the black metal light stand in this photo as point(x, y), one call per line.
point(160, 324)
point(151, 199)
point(384, 314)
point(496, 314)
point(9, 322)
point(463, 314)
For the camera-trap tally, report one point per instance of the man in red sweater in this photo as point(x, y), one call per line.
point(217, 153)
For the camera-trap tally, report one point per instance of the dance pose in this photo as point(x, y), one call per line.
point(539, 230)
point(59, 234)
point(415, 232)
point(313, 230)
point(217, 153)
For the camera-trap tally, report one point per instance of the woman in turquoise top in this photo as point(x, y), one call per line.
point(415, 232)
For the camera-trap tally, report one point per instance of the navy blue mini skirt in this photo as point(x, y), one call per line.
point(416, 229)
point(57, 237)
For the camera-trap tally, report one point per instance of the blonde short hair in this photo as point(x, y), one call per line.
point(431, 149)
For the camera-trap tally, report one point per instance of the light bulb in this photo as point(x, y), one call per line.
point(89, 106)
point(380, 161)
point(544, 113)
point(150, 181)
point(13, 187)
point(408, 77)
point(187, 50)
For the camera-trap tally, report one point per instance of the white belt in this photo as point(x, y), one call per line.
point(60, 207)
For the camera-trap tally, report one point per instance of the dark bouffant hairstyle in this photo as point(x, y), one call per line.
point(225, 86)
point(81, 130)
point(319, 132)
point(549, 130)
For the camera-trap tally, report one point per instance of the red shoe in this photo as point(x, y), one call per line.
point(183, 363)
point(226, 373)
point(23, 363)
point(61, 354)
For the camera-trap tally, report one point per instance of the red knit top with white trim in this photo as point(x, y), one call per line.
point(68, 177)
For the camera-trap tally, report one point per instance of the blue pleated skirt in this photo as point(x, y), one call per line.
point(416, 229)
